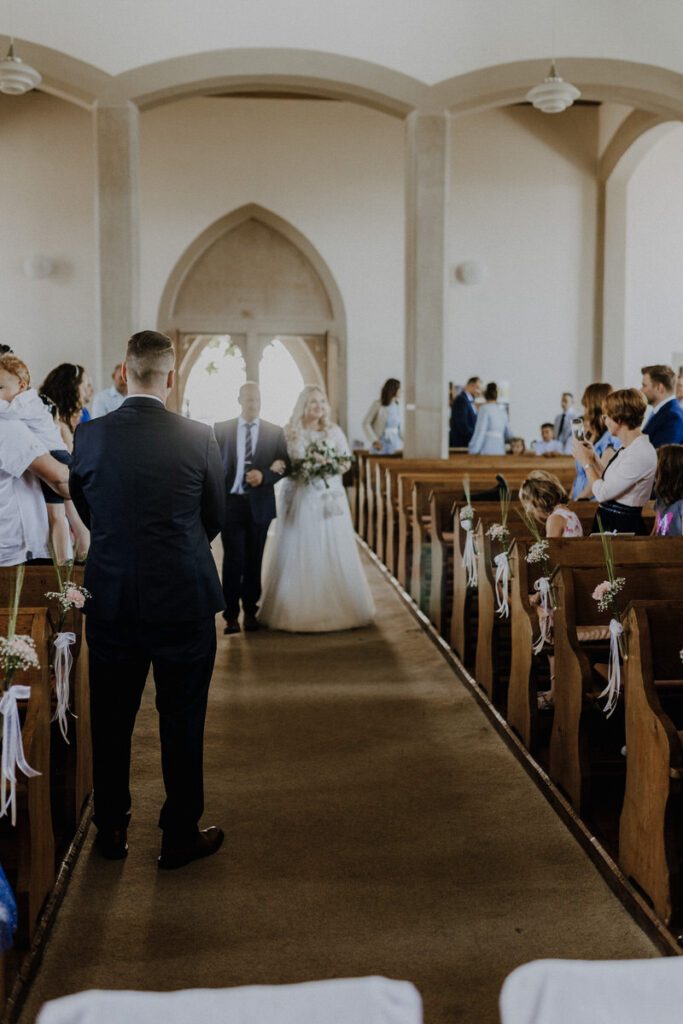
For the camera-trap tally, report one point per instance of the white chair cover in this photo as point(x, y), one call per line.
point(345, 1001)
point(594, 992)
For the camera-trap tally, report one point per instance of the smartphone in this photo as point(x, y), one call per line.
point(577, 428)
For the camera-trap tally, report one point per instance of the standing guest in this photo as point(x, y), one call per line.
point(562, 428)
point(255, 458)
point(625, 484)
point(492, 430)
point(669, 491)
point(464, 414)
point(24, 462)
point(149, 484)
point(665, 425)
point(66, 388)
point(595, 431)
point(87, 391)
point(679, 387)
point(382, 424)
point(548, 445)
point(110, 398)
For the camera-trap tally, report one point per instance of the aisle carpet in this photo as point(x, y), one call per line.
point(375, 822)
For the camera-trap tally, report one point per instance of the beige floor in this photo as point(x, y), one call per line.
point(375, 824)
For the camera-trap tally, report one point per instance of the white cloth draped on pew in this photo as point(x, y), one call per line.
point(345, 1001)
point(594, 992)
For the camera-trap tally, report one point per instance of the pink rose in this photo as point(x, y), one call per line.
point(75, 597)
point(601, 590)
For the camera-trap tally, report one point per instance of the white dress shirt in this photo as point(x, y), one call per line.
point(630, 475)
point(238, 486)
point(29, 407)
point(107, 401)
point(24, 527)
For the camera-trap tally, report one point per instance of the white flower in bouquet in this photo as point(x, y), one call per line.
point(538, 552)
point(18, 652)
point(606, 591)
point(466, 516)
point(70, 596)
point(320, 461)
point(497, 531)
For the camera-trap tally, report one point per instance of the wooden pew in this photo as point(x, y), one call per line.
point(441, 513)
point(651, 824)
point(72, 763)
point(652, 567)
point(27, 850)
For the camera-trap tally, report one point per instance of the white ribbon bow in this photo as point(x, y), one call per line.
point(63, 663)
point(502, 584)
point(542, 586)
point(469, 555)
point(613, 688)
point(12, 749)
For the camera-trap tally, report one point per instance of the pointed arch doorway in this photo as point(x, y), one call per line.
point(251, 299)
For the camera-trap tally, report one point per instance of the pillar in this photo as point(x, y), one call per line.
point(117, 226)
point(426, 194)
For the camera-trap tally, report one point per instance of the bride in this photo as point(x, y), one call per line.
point(313, 579)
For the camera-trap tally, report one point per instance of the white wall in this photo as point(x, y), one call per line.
point(47, 207)
point(654, 265)
point(332, 170)
point(524, 203)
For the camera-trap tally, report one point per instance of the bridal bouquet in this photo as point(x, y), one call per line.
point(320, 461)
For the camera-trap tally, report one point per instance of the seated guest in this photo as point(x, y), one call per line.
point(665, 425)
point(669, 492)
point(110, 398)
point(595, 431)
point(382, 424)
point(562, 428)
point(625, 484)
point(492, 430)
point(464, 414)
point(548, 445)
point(518, 446)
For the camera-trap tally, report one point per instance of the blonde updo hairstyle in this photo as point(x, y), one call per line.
point(540, 494)
point(295, 427)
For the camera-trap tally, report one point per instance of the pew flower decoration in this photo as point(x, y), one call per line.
point(499, 532)
point(606, 596)
point(469, 555)
point(17, 653)
point(69, 596)
point(538, 553)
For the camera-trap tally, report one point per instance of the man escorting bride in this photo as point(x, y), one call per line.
point(313, 581)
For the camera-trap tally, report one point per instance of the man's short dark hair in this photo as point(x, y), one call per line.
point(473, 380)
point(149, 357)
point(544, 425)
point(660, 374)
point(567, 394)
point(5, 350)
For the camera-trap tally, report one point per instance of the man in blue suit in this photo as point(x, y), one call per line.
point(149, 486)
point(464, 414)
point(665, 425)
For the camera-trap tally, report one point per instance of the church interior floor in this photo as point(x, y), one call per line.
point(375, 824)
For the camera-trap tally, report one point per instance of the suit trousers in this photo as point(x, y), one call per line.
point(243, 544)
point(182, 656)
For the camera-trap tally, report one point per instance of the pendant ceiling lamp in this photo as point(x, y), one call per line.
point(16, 77)
point(553, 95)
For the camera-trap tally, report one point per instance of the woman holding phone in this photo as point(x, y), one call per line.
point(591, 427)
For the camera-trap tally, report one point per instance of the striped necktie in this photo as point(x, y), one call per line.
point(248, 454)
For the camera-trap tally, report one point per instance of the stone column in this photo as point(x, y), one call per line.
point(118, 229)
point(426, 197)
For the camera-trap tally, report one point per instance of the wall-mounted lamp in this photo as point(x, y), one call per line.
point(471, 272)
point(37, 266)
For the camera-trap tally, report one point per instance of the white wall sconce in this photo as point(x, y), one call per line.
point(37, 266)
point(471, 272)
point(16, 77)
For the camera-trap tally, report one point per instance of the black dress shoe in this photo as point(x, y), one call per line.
point(112, 843)
point(206, 842)
point(231, 626)
point(251, 623)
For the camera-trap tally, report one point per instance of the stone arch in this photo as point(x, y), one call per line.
point(280, 285)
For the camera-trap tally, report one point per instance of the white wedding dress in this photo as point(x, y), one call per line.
point(313, 581)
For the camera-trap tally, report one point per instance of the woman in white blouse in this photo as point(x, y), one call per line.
point(625, 484)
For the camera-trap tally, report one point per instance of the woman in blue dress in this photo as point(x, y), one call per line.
point(492, 430)
point(382, 425)
point(604, 443)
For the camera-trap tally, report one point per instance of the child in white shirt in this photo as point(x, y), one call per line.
point(548, 445)
point(18, 400)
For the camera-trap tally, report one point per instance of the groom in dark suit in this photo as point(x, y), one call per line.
point(255, 458)
point(149, 486)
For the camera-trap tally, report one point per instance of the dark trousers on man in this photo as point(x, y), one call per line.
point(182, 656)
point(243, 544)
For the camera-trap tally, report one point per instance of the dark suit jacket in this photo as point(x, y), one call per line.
point(271, 446)
point(463, 419)
point(149, 486)
point(666, 426)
